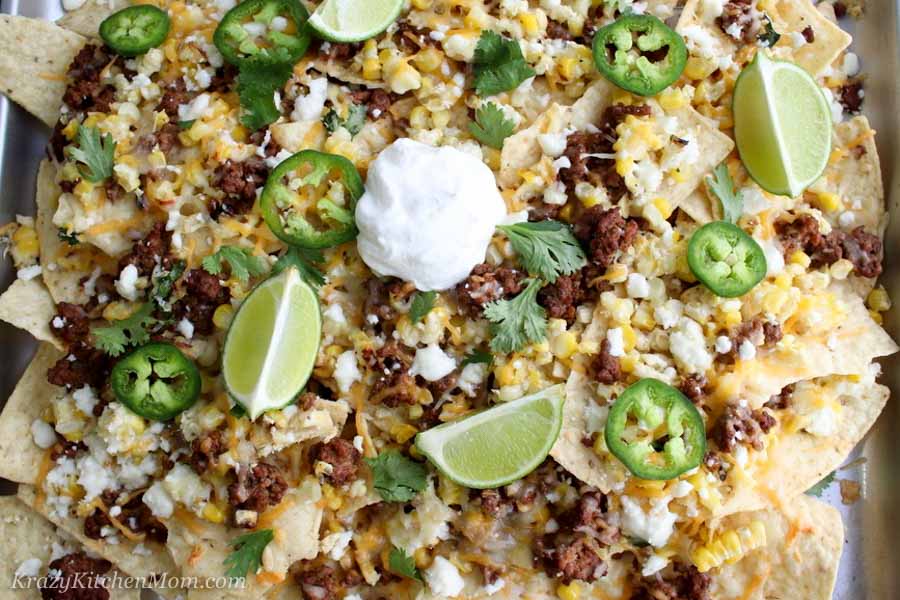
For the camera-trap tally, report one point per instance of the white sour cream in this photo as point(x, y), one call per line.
point(428, 214)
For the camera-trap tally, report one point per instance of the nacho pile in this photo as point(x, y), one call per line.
point(148, 228)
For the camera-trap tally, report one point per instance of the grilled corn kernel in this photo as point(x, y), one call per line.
point(729, 547)
point(213, 513)
point(222, 316)
point(403, 432)
point(441, 118)
point(418, 118)
point(529, 23)
point(371, 69)
point(732, 318)
point(564, 345)
point(566, 67)
point(800, 258)
point(879, 300)
point(569, 592)
point(402, 77)
point(663, 206)
point(25, 244)
point(699, 68)
point(828, 202)
point(117, 311)
point(421, 4)
point(429, 59)
point(672, 99)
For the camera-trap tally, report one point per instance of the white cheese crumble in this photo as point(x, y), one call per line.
point(310, 106)
point(669, 313)
point(42, 433)
point(443, 578)
point(723, 344)
point(428, 214)
point(195, 109)
point(616, 338)
point(492, 588)
point(28, 273)
point(688, 346)
point(747, 351)
point(126, 283)
point(655, 527)
point(637, 286)
point(85, 399)
point(335, 544)
point(346, 371)
point(471, 378)
point(185, 328)
point(159, 501)
point(432, 363)
point(822, 422)
point(553, 144)
point(30, 567)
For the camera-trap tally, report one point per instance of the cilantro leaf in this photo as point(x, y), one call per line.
point(491, 126)
point(397, 478)
point(164, 283)
point(132, 331)
point(243, 264)
point(400, 563)
point(547, 249)
point(257, 84)
point(769, 37)
point(304, 260)
point(476, 357)
point(722, 186)
point(69, 238)
point(819, 489)
point(186, 124)
point(517, 322)
point(498, 64)
point(421, 305)
point(247, 554)
point(95, 153)
point(356, 119)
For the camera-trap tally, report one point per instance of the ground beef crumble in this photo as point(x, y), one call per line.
point(486, 284)
point(257, 487)
point(740, 424)
point(85, 92)
point(206, 449)
point(604, 233)
point(343, 457)
point(687, 584)
point(741, 20)
point(75, 577)
point(71, 324)
point(154, 249)
point(572, 552)
point(605, 367)
point(860, 247)
point(238, 181)
point(393, 384)
point(204, 293)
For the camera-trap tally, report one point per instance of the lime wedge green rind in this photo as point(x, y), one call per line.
point(272, 344)
point(782, 125)
point(354, 20)
point(498, 445)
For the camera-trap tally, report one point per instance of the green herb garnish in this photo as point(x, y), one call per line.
point(305, 259)
point(722, 186)
point(491, 127)
point(95, 153)
point(517, 322)
point(400, 563)
point(242, 263)
point(421, 305)
point(257, 84)
point(547, 249)
point(498, 64)
point(397, 478)
point(247, 555)
point(132, 331)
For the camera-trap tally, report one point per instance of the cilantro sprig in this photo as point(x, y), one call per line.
point(477, 357)
point(164, 284)
point(242, 263)
point(95, 154)
point(819, 489)
point(722, 186)
point(400, 563)
point(546, 249)
point(257, 84)
point(517, 322)
point(132, 331)
point(305, 260)
point(397, 478)
point(491, 127)
point(498, 64)
point(247, 554)
point(421, 305)
point(769, 37)
point(353, 123)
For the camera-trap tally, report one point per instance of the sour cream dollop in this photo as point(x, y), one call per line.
point(428, 214)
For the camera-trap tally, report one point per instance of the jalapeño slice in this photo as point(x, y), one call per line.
point(725, 259)
point(310, 198)
point(639, 53)
point(265, 31)
point(655, 431)
point(156, 381)
point(135, 30)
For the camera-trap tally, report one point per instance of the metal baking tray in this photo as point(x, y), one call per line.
point(868, 567)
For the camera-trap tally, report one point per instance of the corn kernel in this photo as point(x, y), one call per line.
point(699, 68)
point(800, 258)
point(222, 316)
point(371, 69)
point(418, 118)
point(569, 592)
point(441, 118)
point(564, 345)
point(624, 165)
point(629, 337)
point(117, 311)
point(663, 206)
point(71, 130)
point(783, 281)
point(403, 432)
point(429, 59)
point(628, 363)
point(672, 99)
point(828, 202)
point(732, 318)
point(566, 67)
point(213, 513)
point(421, 4)
point(879, 300)
point(529, 23)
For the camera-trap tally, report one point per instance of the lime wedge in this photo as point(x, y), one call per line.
point(354, 20)
point(272, 343)
point(782, 124)
point(497, 445)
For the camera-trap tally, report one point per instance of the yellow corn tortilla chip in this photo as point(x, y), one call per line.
point(153, 561)
point(847, 350)
point(20, 457)
point(34, 56)
point(523, 150)
point(788, 16)
point(29, 306)
point(64, 284)
point(796, 460)
point(804, 537)
point(86, 19)
point(34, 539)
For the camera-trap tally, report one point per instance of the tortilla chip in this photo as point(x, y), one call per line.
point(19, 456)
point(34, 56)
point(848, 350)
point(795, 461)
point(296, 527)
point(64, 284)
point(34, 538)
point(523, 150)
point(122, 555)
point(788, 16)
point(86, 20)
point(29, 306)
point(855, 177)
point(800, 560)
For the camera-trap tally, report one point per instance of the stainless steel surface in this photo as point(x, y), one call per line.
point(868, 567)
